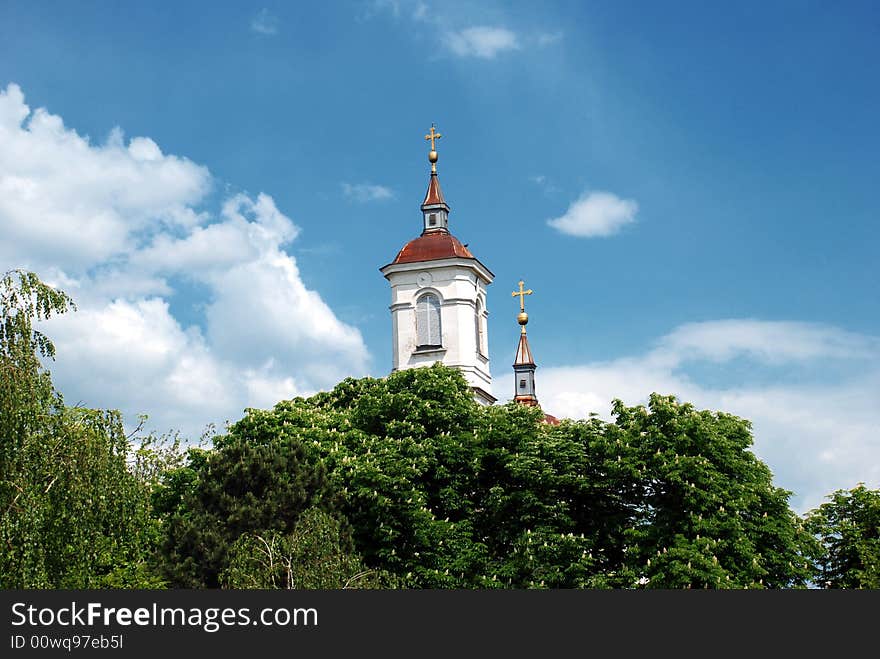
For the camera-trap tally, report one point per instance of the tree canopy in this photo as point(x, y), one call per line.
point(72, 514)
point(445, 493)
point(401, 481)
point(848, 528)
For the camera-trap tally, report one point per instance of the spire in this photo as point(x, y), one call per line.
point(435, 211)
point(523, 352)
point(524, 363)
point(434, 196)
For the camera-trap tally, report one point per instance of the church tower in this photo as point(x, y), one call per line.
point(524, 364)
point(438, 297)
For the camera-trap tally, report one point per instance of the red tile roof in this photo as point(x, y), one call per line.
point(432, 247)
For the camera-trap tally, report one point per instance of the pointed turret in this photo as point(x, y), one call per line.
point(434, 195)
point(523, 352)
point(524, 363)
point(435, 211)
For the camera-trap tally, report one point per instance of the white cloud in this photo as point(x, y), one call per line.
point(262, 311)
point(119, 227)
point(456, 32)
point(134, 356)
point(815, 436)
point(548, 38)
point(365, 192)
point(265, 23)
point(67, 203)
point(481, 41)
point(596, 214)
point(767, 341)
point(249, 228)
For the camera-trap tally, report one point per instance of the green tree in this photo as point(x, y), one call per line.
point(236, 488)
point(317, 554)
point(705, 512)
point(71, 513)
point(445, 493)
point(397, 481)
point(400, 453)
point(848, 528)
point(26, 392)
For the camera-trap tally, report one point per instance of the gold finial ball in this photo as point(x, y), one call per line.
point(432, 156)
point(522, 318)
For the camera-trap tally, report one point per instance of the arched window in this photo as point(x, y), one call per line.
point(478, 328)
point(428, 321)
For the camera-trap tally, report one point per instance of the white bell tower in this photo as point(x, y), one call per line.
point(438, 297)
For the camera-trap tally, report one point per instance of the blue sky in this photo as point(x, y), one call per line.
point(690, 189)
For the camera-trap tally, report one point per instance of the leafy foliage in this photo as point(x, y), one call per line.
point(848, 527)
point(398, 482)
point(26, 392)
point(71, 513)
point(238, 488)
point(447, 494)
point(315, 555)
point(706, 511)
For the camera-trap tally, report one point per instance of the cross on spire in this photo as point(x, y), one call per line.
point(433, 136)
point(522, 295)
point(432, 154)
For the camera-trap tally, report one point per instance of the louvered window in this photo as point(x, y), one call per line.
point(478, 328)
point(428, 321)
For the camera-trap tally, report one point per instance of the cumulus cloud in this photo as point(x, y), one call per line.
point(134, 356)
point(481, 41)
point(816, 436)
point(264, 23)
point(262, 312)
point(68, 203)
point(596, 214)
point(366, 192)
point(119, 226)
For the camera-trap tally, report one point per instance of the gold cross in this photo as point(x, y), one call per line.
point(522, 296)
point(433, 136)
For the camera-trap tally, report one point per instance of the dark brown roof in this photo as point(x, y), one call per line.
point(434, 196)
point(523, 352)
point(432, 247)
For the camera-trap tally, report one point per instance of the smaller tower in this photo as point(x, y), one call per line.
point(524, 364)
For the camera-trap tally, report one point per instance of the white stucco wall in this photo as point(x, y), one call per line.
point(457, 282)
